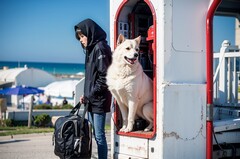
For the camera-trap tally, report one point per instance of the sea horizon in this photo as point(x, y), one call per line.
point(50, 67)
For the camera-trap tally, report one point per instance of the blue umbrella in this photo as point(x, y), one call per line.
point(21, 90)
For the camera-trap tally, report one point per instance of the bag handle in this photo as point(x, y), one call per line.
point(75, 110)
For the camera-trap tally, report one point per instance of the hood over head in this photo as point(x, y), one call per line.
point(91, 30)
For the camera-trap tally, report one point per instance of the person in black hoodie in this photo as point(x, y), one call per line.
point(98, 58)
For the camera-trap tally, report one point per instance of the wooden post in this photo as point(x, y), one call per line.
point(3, 108)
point(30, 113)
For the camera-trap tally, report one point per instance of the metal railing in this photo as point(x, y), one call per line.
point(226, 75)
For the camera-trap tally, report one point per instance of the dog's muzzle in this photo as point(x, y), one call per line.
point(131, 60)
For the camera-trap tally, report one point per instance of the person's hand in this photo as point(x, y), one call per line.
point(82, 99)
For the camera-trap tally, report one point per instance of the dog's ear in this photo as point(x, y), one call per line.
point(138, 40)
point(120, 39)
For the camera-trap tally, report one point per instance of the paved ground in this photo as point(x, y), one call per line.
point(34, 146)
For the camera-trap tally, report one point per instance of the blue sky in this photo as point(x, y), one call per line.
point(42, 30)
point(224, 29)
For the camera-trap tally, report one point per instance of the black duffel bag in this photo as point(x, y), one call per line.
point(73, 136)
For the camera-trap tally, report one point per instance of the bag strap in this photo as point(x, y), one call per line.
point(82, 119)
point(85, 109)
point(75, 109)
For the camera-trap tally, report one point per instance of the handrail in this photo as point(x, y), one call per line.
point(209, 62)
point(222, 55)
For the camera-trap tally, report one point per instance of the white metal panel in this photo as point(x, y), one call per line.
point(184, 121)
point(133, 146)
point(163, 29)
point(79, 90)
point(189, 25)
point(185, 68)
point(155, 145)
point(181, 57)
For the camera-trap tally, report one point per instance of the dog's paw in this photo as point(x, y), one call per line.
point(123, 128)
point(148, 128)
point(126, 129)
point(129, 128)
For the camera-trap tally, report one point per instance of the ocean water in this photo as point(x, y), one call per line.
point(53, 68)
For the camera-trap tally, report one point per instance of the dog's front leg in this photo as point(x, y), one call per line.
point(124, 112)
point(123, 108)
point(132, 108)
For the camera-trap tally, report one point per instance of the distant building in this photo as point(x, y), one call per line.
point(23, 76)
point(237, 32)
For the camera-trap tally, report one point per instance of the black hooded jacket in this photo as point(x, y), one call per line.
point(98, 59)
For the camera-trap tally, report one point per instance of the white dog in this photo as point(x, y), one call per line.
point(129, 85)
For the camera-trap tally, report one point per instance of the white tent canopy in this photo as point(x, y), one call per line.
point(26, 76)
point(64, 88)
